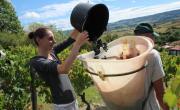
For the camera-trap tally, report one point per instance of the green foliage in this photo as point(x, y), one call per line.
point(34, 26)
point(109, 37)
point(170, 98)
point(15, 84)
point(171, 65)
point(78, 75)
point(172, 95)
point(16, 78)
point(59, 36)
point(172, 34)
point(8, 40)
point(93, 95)
point(8, 20)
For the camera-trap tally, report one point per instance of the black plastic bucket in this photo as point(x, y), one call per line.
point(92, 18)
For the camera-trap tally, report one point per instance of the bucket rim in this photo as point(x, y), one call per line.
point(124, 60)
point(94, 6)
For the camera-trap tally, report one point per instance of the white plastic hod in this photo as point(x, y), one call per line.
point(119, 91)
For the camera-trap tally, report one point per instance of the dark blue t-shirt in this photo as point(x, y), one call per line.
point(47, 70)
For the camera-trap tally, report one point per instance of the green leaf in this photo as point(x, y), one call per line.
point(170, 98)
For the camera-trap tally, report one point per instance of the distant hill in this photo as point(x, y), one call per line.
point(153, 19)
point(160, 18)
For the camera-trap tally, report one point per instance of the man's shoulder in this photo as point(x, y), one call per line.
point(154, 56)
point(154, 53)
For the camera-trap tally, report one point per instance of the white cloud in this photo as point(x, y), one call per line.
point(57, 9)
point(59, 14)
point(120, 14)
point(30, 15)
point(53, 10)
point(63, 24)
point(133, 1)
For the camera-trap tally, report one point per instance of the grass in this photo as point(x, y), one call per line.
point(92, 96)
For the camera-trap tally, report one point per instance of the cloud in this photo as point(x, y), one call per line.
point(59, 14)
point(120, 14)
point(63, 24)
point(53, 10)
point(30, 15)
point(133, 1)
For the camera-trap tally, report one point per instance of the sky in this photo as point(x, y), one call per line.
point(57, 12)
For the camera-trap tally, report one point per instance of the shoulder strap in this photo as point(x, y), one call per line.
point(145, 100)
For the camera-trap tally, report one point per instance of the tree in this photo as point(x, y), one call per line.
point(172, 80)
point(15, 79)
point(59, 36)
point(8, 20)
point(172, 34)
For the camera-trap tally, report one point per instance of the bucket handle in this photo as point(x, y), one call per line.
point(102, 76)
point(84, 23)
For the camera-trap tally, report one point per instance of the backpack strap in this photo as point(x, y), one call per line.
point(145, 100)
